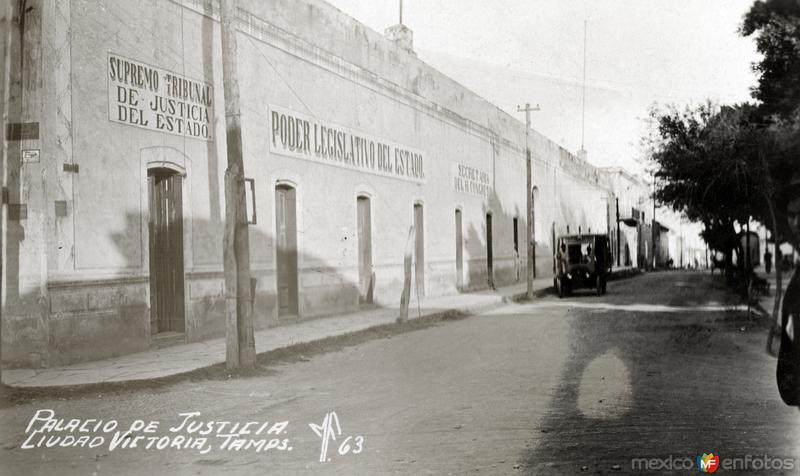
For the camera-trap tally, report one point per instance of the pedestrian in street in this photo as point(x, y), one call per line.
point(788, 371)
point(768, 261)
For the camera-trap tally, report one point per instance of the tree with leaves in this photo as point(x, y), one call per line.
point(722, 165)
point(775, 26)
point(707, 170)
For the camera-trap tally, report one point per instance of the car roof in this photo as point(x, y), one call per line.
point(582, 237)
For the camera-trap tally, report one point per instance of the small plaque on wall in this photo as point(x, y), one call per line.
point(30, 156)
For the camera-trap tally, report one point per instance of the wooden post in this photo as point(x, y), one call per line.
point(406, 296)
point(229, 266)
point(654, 231)
point(240, 342)
point(776, 329)
point(529, 205)
point(529, 198)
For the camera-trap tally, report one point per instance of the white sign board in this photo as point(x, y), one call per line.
point(152, 98)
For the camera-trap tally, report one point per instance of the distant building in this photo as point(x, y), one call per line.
point(634, 200)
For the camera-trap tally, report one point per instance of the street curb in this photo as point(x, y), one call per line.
point(523, 296)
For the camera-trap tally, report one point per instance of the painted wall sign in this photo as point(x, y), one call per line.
point(303, 137)
point(159, 100)
point(471, 181)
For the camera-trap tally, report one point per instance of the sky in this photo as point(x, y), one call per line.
point(638, 53)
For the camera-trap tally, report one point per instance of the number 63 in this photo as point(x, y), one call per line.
point(345, 447)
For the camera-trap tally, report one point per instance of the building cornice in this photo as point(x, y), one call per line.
point(272, 35)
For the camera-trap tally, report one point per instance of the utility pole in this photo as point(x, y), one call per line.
point(641, 262)
point(583, 107)
point(529, 196)
point(240, 341)
point(655, 230)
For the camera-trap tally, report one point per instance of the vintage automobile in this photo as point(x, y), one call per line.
point(581, 261)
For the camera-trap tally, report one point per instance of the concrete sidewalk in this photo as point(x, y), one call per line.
point(179, 359)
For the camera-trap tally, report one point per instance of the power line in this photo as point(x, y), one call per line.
point(583, 114)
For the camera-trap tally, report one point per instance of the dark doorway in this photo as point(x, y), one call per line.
point(489, 258)
point(459, 251)
point(516, 235)
point(286, 258)
point(166, 250)
point(516, 247)
point(553, 248)
point(419, 250)
point(366, 280)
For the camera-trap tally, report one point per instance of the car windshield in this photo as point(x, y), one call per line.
point(574, 252)
point(579, 252)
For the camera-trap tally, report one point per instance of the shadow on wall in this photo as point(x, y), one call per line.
point(87, 320)
point(306, 291)
point(503, 264)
